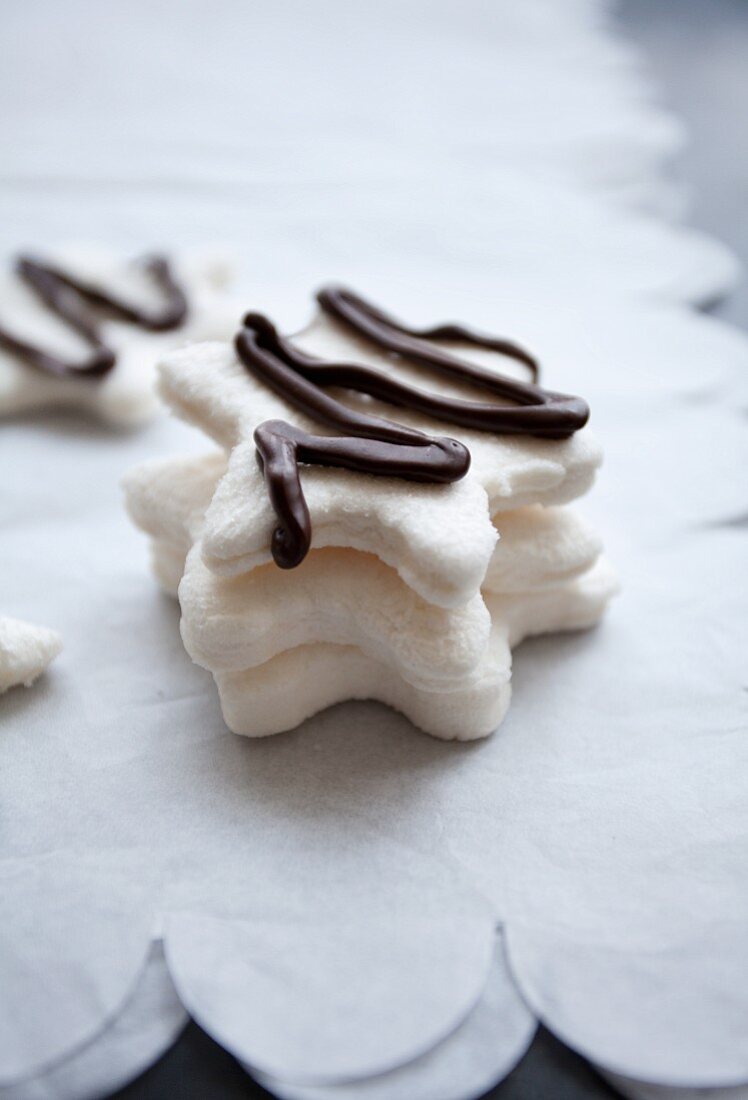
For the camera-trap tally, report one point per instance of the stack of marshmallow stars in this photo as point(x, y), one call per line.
point(412, 594)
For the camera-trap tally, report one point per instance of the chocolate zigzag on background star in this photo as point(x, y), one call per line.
point(370, 443)
point(76, 302)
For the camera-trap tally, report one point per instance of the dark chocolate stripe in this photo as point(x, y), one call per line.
point(281, 447)
point(76, 302)
point(370, 320)
point(536, 411)
point(370, 443)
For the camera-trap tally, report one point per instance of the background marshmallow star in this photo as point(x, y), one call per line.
point(124, 395)
point(25, 652)
point(438, 537)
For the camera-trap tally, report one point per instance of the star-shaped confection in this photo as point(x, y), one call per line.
point(327, 647)
point(439, 538)
point(122, 393)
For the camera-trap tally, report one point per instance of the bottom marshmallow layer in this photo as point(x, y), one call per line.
point(284, 691)
point(281, 693)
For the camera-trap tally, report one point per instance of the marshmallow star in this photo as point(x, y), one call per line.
point(25, 652)
point(546, 568)
point(439, 538)
point(123, 395)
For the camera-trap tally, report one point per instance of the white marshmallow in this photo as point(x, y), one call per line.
point(540, 547)
point(335, 596)
point(546, 563)
point(25, 652)
point(299, 683)
point(168, 499)
point(438, 537)
point(168, 564)
point(387, 604)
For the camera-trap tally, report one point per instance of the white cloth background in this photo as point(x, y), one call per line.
point(355, 909)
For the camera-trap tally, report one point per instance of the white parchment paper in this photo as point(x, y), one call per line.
point(146, 1025)
point(493, 162)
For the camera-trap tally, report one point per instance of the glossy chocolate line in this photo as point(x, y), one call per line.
point(75, 302)
point(281, 447)
point(372, 444)
point(536, 411)
point(553, 415)
point(288, 372)
point(350, 307)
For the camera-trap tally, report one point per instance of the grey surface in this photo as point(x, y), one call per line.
point(698, 52)
point(197, 1069)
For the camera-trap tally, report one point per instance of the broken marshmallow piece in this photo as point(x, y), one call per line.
point(25, 652)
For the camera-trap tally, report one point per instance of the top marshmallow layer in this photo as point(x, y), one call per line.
point(538, 547)
point(439, 538)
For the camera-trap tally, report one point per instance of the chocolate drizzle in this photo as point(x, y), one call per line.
point(77, 302)
point(370, 321)
point(536, 411)
point(371, 444)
